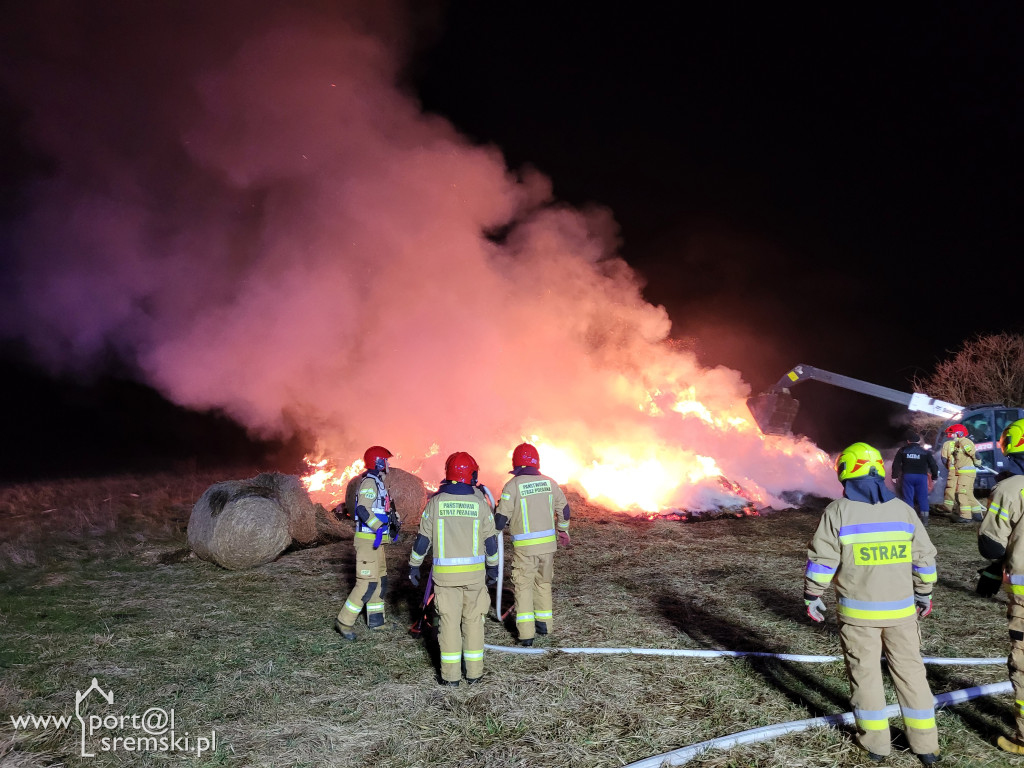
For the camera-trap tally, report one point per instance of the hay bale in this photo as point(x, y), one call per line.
point(300, 508)
point(330, 525)
point(407, 490)
point(238, 525)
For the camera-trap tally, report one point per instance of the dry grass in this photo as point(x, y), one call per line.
point(101, 587)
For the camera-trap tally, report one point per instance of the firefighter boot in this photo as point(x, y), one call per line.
point(930, 758)
point(344, 631)
point(1012, 746)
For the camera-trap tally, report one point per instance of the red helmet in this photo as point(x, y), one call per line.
point(956, 430)
point(376, 458)
point(461, 468)
point(525, 455)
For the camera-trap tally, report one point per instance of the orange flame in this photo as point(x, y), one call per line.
point(324, 483)
point(651, 470)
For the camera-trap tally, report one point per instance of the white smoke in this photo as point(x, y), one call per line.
point(277, 230)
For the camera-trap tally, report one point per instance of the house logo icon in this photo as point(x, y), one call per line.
point(80, 699)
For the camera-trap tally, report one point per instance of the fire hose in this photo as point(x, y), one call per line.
point(711, 654)
point(765, 733)
point(501, 557)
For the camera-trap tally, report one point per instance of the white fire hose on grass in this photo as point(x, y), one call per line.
point(712, 654)
point(755, 735)
point(768, 732)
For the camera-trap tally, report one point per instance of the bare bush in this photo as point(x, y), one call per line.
point(986, 369)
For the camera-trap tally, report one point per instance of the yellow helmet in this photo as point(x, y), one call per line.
point(858, 460)
point(1012, 439)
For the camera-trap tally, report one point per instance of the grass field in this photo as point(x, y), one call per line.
point(95, 581)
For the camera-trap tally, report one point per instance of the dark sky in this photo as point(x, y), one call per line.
point(796, 183)
point(842, 180)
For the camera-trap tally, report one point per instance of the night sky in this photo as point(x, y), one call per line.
point(795, 183)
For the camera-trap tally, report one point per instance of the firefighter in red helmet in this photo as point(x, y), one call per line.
point(457, 521)
point(961, 469)
point(536, 513)
point(376, 525)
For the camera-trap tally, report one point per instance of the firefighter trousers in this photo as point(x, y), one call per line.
point(371, 584)
point(862, 650)
point(531, 578)
point(460, 634)
point(1015, 663)
point(960, 491)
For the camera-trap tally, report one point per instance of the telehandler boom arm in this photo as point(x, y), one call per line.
point(775, 410)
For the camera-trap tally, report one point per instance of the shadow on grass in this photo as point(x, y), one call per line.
point(790, 606)
point(820, 695)
point(988, 717)
point(955, 586)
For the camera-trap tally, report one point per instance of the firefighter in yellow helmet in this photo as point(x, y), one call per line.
point(458, 522)
point(999, 539)
point(376, 525)
point(961, 469)
point(537, 515)
point(876, 551)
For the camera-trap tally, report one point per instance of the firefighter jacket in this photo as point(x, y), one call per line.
point(1000, 536)
point(533, 506)
point(877, 555)
point(912, 459)
point(958, 455)
point(458, 523)
point(373, 501)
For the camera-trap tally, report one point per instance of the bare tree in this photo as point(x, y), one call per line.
point(986, 369)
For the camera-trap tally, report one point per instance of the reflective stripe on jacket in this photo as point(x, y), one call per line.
point(457, 525)
point(1005, 512)
point(533, 504)
point(876, 555)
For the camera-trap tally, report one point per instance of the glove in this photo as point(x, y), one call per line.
point(492, 575)
point(414, 575)
point(394, 533)
point(990, 578)
point(815, 609)
point(931, 483)
point(563, 538)
point(924, 604)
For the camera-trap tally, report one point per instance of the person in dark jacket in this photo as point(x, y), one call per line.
point(917, 470)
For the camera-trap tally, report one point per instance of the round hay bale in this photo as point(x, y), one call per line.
point(407, 490)
point(300, 508)
point(330, 526)
point(238, 525)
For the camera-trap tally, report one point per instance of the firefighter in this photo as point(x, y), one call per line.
point(457, 521)
point(999, 539)
point(916, 470)
point(878, 554)
point(376, 525)
point(537, 515)
point(961, 466)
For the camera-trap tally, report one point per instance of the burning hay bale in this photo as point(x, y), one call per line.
point(407, 490)
point(240, 524)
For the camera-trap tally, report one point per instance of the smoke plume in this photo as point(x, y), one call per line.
point(251, 207)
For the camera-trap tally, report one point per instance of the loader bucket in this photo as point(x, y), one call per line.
point(774, 412)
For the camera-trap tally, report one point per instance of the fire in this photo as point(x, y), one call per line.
point(325, 483)
point(650, 468)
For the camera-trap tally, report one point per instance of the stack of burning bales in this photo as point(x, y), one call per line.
point(240, 524)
